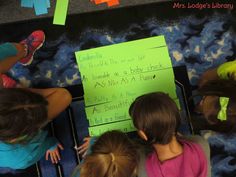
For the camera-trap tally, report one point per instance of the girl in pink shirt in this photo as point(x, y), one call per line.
point(157, 118)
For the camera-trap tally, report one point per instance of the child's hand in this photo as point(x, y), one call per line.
point(84, 147)
point(54, 154)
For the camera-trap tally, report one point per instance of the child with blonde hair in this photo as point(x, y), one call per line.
point(112, 155)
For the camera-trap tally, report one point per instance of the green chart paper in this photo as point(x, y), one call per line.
point(60, 12)
point(113, 76)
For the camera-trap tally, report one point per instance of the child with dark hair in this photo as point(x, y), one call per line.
point(112, 155)
point(23, 114)
point(218, 105)
point(157, 118)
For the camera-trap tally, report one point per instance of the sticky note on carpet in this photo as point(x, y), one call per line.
point(60, 12)
point(109, 2)
point(113, 3)
point(27, 3)
point(40, 7)
point(100, 1)
point(48, 3)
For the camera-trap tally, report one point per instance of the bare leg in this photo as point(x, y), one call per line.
point(58, 100)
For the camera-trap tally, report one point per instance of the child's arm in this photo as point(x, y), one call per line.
point(58, 100)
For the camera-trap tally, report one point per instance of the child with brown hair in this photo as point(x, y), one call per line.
point(218, 105)
point(217, 87)
point(157, 118)
point(23, 114)
point(112, 155)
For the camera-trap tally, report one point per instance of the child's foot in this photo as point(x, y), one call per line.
point(34, 41)
point(8, 82)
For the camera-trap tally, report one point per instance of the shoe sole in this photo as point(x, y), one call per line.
point(12, 82)
point(31, 59)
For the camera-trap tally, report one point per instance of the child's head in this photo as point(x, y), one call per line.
point(22, 113)
point(209, 75)
point(112, 155)
point(219, 104)
point(157, 116)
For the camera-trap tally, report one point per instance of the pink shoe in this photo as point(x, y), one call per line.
point(33, 42)
point(8, 82)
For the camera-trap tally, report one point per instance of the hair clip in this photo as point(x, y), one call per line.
point(222, 114)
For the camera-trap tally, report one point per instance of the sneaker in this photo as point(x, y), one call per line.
point(8, 82)
point(33, 42)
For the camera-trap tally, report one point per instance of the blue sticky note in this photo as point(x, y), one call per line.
point(27, 3)
point(48, 3)
point(40, 7)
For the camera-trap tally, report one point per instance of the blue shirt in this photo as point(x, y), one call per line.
point(21, 156)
